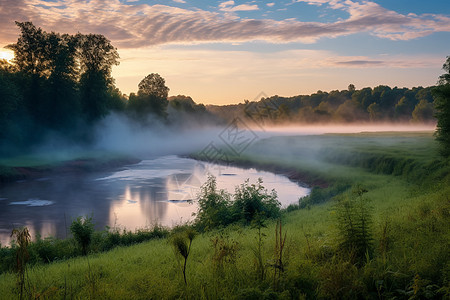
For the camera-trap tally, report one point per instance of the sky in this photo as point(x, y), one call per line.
point(223, 52)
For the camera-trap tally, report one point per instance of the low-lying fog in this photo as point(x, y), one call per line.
point(118, 135)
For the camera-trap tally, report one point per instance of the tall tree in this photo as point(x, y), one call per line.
point(151, 97)
point(30, 51)
point(96, 56)
point(153, 85)
point(442, 106)
point(62, 106)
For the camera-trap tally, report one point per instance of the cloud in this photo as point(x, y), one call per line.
point(360, 62)
point(139, 25)
point(270, 4)
point(228, 6)
point(179, 1)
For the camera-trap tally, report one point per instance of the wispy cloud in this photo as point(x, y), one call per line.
point(179, 1)
point(139, 25)
point(360, 63)
point(229, 6)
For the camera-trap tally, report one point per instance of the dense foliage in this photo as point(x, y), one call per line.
point(56, 83)
point(61, 85)
point(216, 209)
point(379, 104)
point(442, 103)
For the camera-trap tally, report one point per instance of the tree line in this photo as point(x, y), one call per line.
point(379, 104)
point(62, 84)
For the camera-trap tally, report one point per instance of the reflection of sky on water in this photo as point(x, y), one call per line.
point(154, 191)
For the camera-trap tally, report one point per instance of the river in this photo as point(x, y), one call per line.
point(160, 190)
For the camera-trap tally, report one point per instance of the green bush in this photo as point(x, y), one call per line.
point(251, 200)
point(82, 229)
point(213, 206)
point(217, 210)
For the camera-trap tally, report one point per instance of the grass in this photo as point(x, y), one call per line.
point(410, 212)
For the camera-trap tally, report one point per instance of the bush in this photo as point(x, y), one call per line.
point(251, 200)
point(217, 210)
point(213, 206)
point(82, 229)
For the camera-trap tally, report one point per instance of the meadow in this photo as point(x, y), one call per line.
point(396, 182)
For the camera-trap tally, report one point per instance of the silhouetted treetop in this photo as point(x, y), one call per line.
point(153, 85)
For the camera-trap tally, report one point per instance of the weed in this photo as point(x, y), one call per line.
point(278, 264)
point(23, 238)
point(182, 242)
point(354, 225)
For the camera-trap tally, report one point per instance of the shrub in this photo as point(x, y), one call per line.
point(213, 206)
point(82, 229)
point(253, 199)
point(217, 210)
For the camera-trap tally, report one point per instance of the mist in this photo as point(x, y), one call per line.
point(120, 134)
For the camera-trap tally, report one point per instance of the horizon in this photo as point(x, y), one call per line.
point(225, 52)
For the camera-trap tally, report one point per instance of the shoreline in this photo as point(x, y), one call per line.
point(11, 174)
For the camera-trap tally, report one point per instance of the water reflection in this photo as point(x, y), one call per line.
point(160, 191)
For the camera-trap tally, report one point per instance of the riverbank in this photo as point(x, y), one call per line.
point(20, 169)
point(405, 188)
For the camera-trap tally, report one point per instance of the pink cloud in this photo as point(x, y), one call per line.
point(139, 25)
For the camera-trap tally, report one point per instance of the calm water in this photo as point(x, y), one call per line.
point(153, 191)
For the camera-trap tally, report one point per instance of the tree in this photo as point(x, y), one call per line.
point(96, 56)
point(30, 51)
point(423, 112)
point(445, 78)
point(60, 94)
point(442, 106)
point(351, 87)
point(153, 85)
point(405, 106)
point(151, 98)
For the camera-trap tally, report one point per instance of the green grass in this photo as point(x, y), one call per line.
point(411, 217)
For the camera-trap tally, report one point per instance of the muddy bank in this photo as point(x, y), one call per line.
point(12, 174)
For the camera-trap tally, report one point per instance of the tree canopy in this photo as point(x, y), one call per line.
point(151, 98)
point(442, 106)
